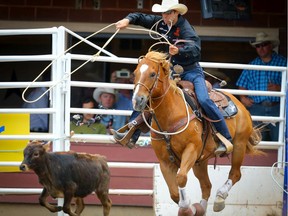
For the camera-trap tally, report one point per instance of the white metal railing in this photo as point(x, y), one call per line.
point(61, 67)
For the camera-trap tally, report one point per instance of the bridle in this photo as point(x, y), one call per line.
point(151, 110)
point(155, 83)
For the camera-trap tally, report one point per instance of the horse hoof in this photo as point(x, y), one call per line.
point(185, 212)
point(219, 204)
point(200, 211)
point(195, 210)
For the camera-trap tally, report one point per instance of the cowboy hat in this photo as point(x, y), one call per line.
point(97, 93)
point(264, 37)
point(167, 5)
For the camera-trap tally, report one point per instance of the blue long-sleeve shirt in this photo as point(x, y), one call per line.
point(189, 51)
point(259, 80)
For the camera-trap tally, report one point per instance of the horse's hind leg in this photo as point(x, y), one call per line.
point(234, 176)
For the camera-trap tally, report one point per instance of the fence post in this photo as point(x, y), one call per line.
point(58, 48)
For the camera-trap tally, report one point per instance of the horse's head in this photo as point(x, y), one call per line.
point(151, 75)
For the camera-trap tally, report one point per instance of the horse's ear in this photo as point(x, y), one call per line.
point(166, 66)
point(140, 59)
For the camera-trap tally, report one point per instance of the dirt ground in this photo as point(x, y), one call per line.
point(90, 210)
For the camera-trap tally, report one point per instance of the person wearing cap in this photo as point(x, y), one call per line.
point(185, 53)
point(263, 81)
point(124, 96)
point(106, 98)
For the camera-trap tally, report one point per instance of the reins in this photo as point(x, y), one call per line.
point(170, 133)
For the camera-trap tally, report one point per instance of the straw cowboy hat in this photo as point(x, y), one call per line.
point(97, 93)
point(167, 5)
point(262, 37)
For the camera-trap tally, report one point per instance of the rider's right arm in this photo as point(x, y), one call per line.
point(144, 20)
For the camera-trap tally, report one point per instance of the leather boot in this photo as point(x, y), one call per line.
point(225, 146)
point(221, 149)
point(124, 138)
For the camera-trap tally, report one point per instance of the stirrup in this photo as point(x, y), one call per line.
point(121, 137)
point(221, 150)
point(228, 145)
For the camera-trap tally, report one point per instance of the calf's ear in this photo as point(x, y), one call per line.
point(47, 146)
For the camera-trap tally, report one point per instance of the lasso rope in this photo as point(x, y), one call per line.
point(62, 54)
point(277, 183)
point(93, 58)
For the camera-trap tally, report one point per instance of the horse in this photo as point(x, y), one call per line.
point(177, 135)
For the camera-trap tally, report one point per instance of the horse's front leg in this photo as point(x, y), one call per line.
point(188, 159)
point(169, 173)
point(201, 173)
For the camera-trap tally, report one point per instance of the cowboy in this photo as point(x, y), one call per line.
point(185, 54)
point(263, 81)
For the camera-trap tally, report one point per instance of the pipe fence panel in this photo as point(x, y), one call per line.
point(60, 109)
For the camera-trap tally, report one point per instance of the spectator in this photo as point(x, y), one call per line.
point(106, 98)
point(124, 97)
point(39, 122)
point(263, 81)
point(86, 123)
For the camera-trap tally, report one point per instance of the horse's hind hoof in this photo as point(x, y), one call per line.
point(219, 204)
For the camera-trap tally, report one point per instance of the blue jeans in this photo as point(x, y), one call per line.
point(270, 132)
point(196, 76)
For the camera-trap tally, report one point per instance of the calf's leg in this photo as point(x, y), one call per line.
point(43, 202)
point(105, 200)
point(79, 205)
point(102, 191)
point(68, 196)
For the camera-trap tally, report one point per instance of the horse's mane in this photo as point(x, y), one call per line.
point(161, 57)
point(156, 56)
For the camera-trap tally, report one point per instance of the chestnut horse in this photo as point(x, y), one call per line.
point(155, 92)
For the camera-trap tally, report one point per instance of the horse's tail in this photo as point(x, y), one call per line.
point(253, 141)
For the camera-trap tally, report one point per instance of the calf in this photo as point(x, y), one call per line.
point(68, 175)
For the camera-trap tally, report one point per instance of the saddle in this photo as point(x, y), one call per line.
point(226, 106)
